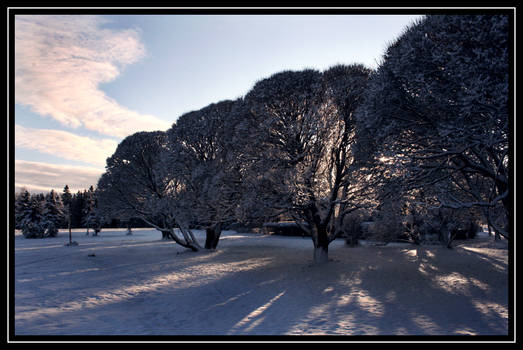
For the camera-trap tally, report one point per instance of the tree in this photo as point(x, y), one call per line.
point(66, 196)
point(53, 214)
point(93, 216)
point(200, 155)
point(22, 204)
point(301, 138)
point(88, 209)
point(31, 219)
point(66, 201)
point(133, 185)
point(77, 209)
point(108, 206)
point(438, 106)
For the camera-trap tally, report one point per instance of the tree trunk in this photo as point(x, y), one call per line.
point(321, 245)
point(446, 237)
point(69, 228)
point(507, 202)
point(192, 245)
point(212, 236)
point(189, 239)
point(321, 255)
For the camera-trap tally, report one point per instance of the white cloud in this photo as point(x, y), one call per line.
point(65, 144)
point(60, 61)
point(42, 177)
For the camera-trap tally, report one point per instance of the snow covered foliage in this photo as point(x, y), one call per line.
point(53, 214)
point(38, 216)
point(22, 204)
point(300, 139)
point(31, 219)
point(93, 217)
point(135, 185)
point(428, 129)
point(438, 106)
point(201, 157)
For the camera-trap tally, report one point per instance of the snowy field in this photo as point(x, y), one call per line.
point(116, 284)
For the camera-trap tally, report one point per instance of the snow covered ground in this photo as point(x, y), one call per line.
point(252, 284)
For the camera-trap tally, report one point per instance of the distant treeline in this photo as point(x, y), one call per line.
point(59, 210)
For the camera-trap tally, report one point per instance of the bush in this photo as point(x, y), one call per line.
point(468, 230)
point(353, 228)
point(444, 225)
point(388, 224)
point(284, 229)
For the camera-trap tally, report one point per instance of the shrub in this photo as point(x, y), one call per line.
point(387, 223)
point(353, 229)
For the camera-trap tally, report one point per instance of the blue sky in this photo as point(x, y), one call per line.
point(83, 83)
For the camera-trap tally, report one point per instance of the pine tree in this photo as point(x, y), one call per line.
point(31, 219)
point(22, 204)
point(88, 208)
point(66, 196)
point(66, 203)
point(53, 214)
point(92, 217)
point(77, 206)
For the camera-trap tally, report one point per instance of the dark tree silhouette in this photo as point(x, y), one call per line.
point(301, 136)
point(438, 106)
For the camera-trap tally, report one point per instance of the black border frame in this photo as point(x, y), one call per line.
point(12, 12)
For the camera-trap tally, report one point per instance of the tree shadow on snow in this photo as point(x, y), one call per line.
point(239, 290)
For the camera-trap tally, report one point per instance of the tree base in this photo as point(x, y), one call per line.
point(321, 255)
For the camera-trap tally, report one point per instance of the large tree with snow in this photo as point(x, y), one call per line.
point(134, 185)
point(199, 154)
point(301, 137)
point(439, 106)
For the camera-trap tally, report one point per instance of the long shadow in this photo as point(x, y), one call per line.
point(126, 291)
point(256, 293)
point(421, 298)
point(424, 297)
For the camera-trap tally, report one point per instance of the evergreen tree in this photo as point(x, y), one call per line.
point(77, 206)
point(66, 202)
point(53, 214)
point(66, 196)
point(92, 217)
point(88, 209)
point(22, 204)
point(31, 219)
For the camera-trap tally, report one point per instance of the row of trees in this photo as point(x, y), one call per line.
point(427, 132)
point(286, 148)
point(423, 139)
point(41, 215)
point(438, 109)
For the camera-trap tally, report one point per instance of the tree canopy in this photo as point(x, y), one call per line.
point(430, 126)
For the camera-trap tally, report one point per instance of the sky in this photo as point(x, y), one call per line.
point(83, 83)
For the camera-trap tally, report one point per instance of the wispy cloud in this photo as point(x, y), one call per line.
point(62, 60)
point(65, 144)
point(42, 177)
